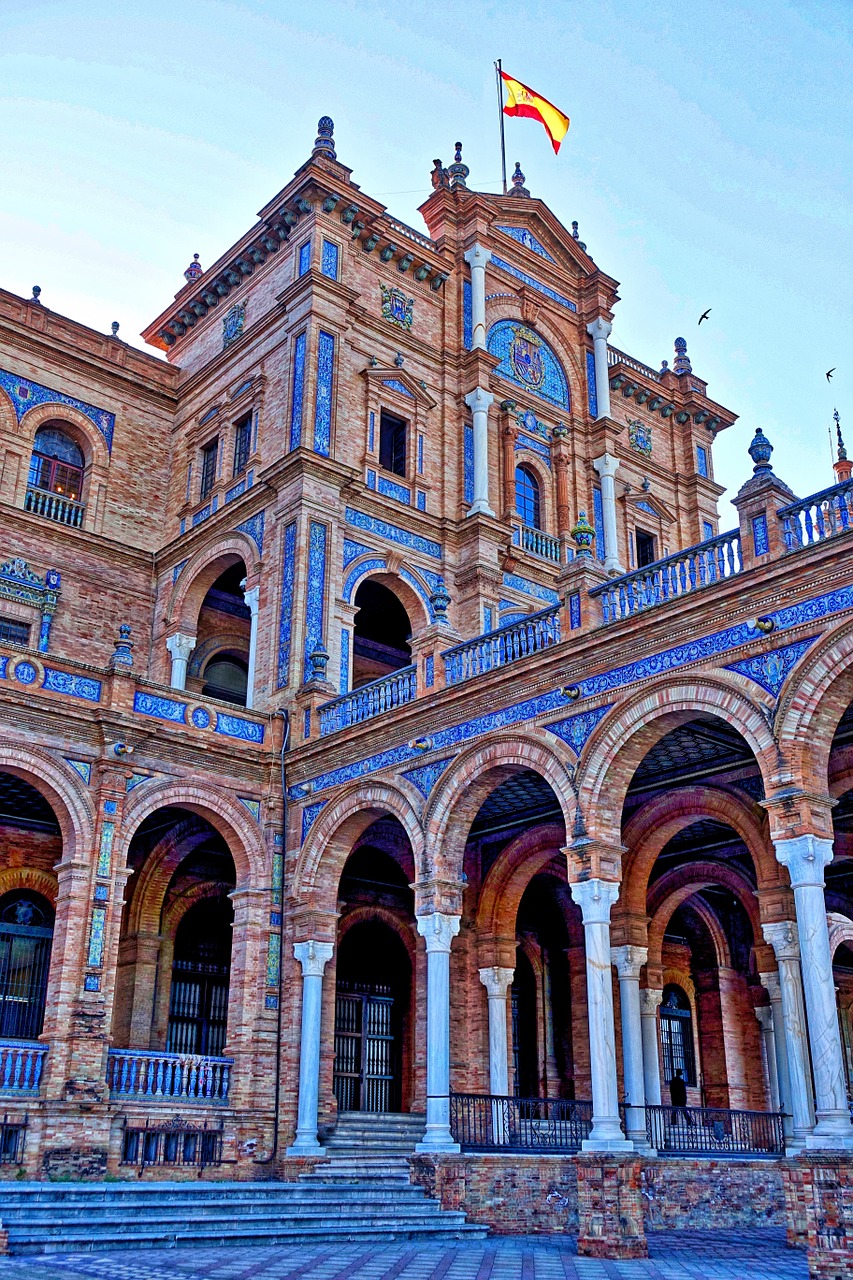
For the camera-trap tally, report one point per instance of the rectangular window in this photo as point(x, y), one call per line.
point(304, 257)
point(242, 443)
point(392, 443)
point(702, 460)
point(208, 466)
point(645, 549)
point(14, 632)
point(329, 260)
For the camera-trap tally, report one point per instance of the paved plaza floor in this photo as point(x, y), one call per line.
point(675, 1255)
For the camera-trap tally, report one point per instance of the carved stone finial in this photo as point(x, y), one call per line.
point(122, 656)
point(194, 270)
point(115, 326)
point(324, 143)
point(439, 600)
point(760, 451)
point(457, 173)
point(319, 659)
point(681, 364)
point(664, 367)
point(518, 179)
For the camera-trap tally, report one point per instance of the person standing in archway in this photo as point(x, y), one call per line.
point(678, 1098)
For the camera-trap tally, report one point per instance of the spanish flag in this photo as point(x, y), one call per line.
point(522, 101)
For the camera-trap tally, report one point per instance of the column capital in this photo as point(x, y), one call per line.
point(783, 938)
point(497, 981)
point(629, 960)
point(650, 1001)
point(606, 465)
point(313, 956)
point(770, 983)
point(599, 329)
point(180, 645)
point(251, 598)
point(438, 930)
point(477, 256)
point(479, 398)
point(805, 857)
point(595, 898)
point(764, 1014)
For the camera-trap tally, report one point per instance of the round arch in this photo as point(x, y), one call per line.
point(200, 573)
point(507, 310)
point(82, 431)
point(412, 594)
point(665, 912)
point(840, 931)
point(509, 876)
point(152, 882)
point(184, 902)
point(43, 882)
point(369, 914)
point(63, 790)
point(680, 884)
point(808, 712)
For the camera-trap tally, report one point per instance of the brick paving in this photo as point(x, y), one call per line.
point(675, 1255)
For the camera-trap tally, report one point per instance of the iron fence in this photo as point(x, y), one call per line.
point(487, 1122)
point(715, 1131)
point(175, 1143)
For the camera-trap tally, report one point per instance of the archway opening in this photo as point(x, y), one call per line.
point(219, 666)
point(381, 634)
point(198, 998)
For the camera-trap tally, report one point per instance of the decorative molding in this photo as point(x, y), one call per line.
point(427, 775)
point(559, 298)
point(771, 670)
point(254, 529)
point(522, 236)
point(517, 583)
point(396, 307)
point(26, 395)
point(392, 533)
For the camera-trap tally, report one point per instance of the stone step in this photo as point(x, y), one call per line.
point(311, 1199)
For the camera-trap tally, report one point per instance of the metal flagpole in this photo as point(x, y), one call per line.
point(501, 118)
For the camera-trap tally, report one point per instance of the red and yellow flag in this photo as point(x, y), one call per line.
point(522, 101)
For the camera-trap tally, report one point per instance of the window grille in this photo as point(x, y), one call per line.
point(527, 500)
point(242, 443)
point(676, 1034)
point(12, 632)
point(208, 466)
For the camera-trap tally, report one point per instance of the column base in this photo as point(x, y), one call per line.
point(305, 1148)
point(480, 508)
point(437, 1146)
point(607, 1144)
point(834, 1134)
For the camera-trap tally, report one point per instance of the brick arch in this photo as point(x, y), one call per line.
point(200, 573)
point(840, 930)
point(680, 884)
point(333, 837)
point(83, 432)
point(411, 593)
point(624, 736)
point(43, 882)
point(204, 653)
point(8, 416)
point(64, 791)
point(366, 913)
point(816, 696)
point(509, 876)
point(474, 775)
point(151, 883)
point(655, 824)
point(224, 813)
point(178, 909)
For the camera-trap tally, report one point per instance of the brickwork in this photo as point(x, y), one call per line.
point(819, 1191)
point(610, 1208)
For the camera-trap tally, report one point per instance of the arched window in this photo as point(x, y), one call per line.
point(57, 463)
point(226, 677)
point(527, 504)
point(26, 935)
point(676, 1034)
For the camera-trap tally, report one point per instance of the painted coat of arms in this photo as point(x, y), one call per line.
point(525, 357)
point(232, 324)
point(396, 307)
point(640, 437)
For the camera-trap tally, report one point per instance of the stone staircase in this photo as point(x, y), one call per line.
point(362, 1194)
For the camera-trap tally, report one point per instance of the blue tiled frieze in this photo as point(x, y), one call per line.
point(392, 532)
point(323, 406)
point(396, 385)
point(25, 672)
point(427, 775)
point(530, 588)
point(310, 814)
point(353, 551)
point(315, 592)
point(375, 564)
point(72, 686)
point(468, 461)
point(576, 730)
point(237, 727)
point(148, 704)
point(527, 360)
point(398, 492)
point(254, 529)
point(525, 237)
point(535, 446)
point(235, 491)
point(770, 670)
point(285, 624)
point(421, 500)
point(199, 517)
point(298, 391)
point(329, 259)
point(591, 387)
point(559, 298)
point(25, 395)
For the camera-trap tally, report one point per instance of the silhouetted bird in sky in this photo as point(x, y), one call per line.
point(830, 372)
point(705, 314)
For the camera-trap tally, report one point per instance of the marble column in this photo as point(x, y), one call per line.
point(477, 257)
point(650, 1000)
point(764, 1014)
point(805, 857)
point(313, 957)
point(607, 466)
point(600, 331)
point(478, 401)
point(782, 937)
point(251, 599)
point(773, 987)
point(595, 898)
point(180, 647)
point(628, 962)
point(438, 931)
point(497, 982)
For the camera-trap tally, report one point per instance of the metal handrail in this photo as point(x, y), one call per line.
point(686, 571)
point(489, 1122)
point(717, 1131)
point(502, 646)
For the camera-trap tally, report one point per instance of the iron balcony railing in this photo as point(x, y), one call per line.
point(821, 516)
point(188, 1077)
point(541, 544)
point(487, 1122)
point(369, 700)
point(714, 1131)
point(677, 575)
point(498, 648)
point(172, 1144)
point(53, 506)
point(21, 1066)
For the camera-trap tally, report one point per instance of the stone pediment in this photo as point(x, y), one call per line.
point(649, 506)
point(533, 227)
point(399, 381)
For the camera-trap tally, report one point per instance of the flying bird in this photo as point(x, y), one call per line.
point(705, 314)
point(830, 372)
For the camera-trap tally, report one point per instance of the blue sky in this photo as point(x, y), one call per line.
point(709, 162)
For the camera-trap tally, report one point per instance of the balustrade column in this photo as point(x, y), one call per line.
point(805, 857)
point(607, 466)
point(782, 937)
point(438, 931)
point(764, 1014)
point(180, 647)
point(650, 1000)
point(595, 898)
point(251, 599)
point(477, 257)
point(313, 957)
point(629, 961)
point(600, 331)
point(773, 987)
point(478, 401)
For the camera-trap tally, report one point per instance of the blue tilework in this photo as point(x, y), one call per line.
point(298, 392)
point(96, 937)
point(343, 678)
point(421, 500)
point(647, 507)
point(323, 407)
point(329, 260)
point(232, 323)
point(105, 851)
point(148, 704)
point(306, 723)
point(91, 982)
point(214, 503)
point(420, 455)
point(374, 565)
point(110, 806)
point(429, 671)
point(304, 257)
point(575, 610)
point(353, 550)
point(771, 669)
point(310, 814)
point(701, 460)
point(275, 919)
point(25, 395)
point(235, 490)
point(273, 959)
point(398, 492)
point(534, 284)
point(253, 806)
point(416, 586)
point(135, 780)
point(199, 717)
point(507, 619)
point(277, 877)
point(254, 529)
point(468, 462)
point(371, 478)
point(25, 673)
point(467, 315)
point(285, 623)
point(576, 730)
point(371, 432)
point(707, 530)
point(270, 1002)
point(488, 615)
point(393, 533)
point(426, 777)
point(530, 588)
point(528, 361)
point(525, 237)
point(534, 446)
point(101, 893)
point(83, 767)
point(315, 591)
point(199, 517)
point(598, 522)
point(396, 385)
point(759, 535)
point(72, 686)
point(237, 727)
point(4, 662)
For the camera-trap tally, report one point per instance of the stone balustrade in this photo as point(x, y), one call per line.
point(499, 648)
point(677, 575)
point(541, 544)
point(21, 1066)
point(368, 701)
point(53, 506)
point(189, 1077)
point(823, 515)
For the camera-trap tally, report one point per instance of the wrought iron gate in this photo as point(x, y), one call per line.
point(366, 1050)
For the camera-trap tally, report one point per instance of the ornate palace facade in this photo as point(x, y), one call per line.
point(387, 722)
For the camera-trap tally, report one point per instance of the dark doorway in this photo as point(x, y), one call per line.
point(525, 1030)
point(26, 936)
point(645, 549)
point(382, 632)
point(198, 1006)
point(374, 977)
